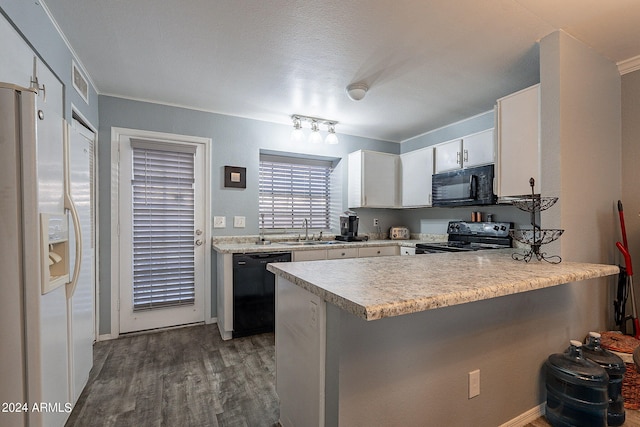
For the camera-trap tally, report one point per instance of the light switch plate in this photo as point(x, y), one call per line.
point(219, 222)
point(238, 221)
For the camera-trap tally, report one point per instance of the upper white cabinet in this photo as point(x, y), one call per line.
point(472, 150)
point(417, 168)
point(373, 180)
point(478, 149)
point(449, 156)
point(518, 131)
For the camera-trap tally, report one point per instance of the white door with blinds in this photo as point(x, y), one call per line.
point(161, 234)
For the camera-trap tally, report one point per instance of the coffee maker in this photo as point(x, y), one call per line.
point(348, 227)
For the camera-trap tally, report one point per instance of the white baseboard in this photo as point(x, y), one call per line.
point(106, 337)
point(527, 417)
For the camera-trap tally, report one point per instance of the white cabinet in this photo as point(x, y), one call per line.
point(416, 170)
point(449, 156)
point(342, 253)
point(404, 250)
point(312, 255)
point(472, 150)
point(478, 149)
point(518, 131)
point(374, 251)
point(373, 180)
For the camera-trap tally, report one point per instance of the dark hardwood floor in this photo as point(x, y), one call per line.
point(189, 377)
point(180, 377)
point(632, 419)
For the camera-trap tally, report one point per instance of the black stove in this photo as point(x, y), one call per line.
point(470, 236)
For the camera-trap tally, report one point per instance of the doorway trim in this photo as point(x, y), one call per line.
point(75, 111)
point(116, 134)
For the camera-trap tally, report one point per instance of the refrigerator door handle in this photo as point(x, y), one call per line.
point(68, 204)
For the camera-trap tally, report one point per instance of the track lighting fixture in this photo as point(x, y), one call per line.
point(297, 135)
point(315, 137)
point(331, 137)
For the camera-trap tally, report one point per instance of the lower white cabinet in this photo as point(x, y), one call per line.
point(407, 251)
point(342, 253)
point(312, 255)
point(378, 251)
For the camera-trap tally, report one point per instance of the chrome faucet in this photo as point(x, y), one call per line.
point(306, 229)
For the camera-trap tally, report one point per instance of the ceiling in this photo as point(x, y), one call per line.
point(427, 63)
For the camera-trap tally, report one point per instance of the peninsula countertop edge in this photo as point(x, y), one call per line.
point(380, 287)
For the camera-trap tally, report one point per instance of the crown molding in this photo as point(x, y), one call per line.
point(629, 65)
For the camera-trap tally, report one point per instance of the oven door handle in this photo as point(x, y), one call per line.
point(473, 187)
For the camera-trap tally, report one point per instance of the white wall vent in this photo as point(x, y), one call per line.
point(79, 82)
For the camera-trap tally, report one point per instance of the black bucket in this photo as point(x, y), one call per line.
point(576, 390)
point(615, 368)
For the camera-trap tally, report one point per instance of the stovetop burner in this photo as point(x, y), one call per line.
point(470, 236)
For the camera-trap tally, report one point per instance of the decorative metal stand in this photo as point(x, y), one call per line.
point(535, 237)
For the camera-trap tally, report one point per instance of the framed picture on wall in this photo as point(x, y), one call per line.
point(235, 177)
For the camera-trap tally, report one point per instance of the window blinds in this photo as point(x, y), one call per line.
point(163, 226)
point(292, 190)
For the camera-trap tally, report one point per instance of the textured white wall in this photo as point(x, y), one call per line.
point(631, 162)
point(581, 163)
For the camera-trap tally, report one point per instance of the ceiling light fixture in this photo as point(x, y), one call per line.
point(331, 137)
point(357, 91)
point(315, 137)
point(297, 135)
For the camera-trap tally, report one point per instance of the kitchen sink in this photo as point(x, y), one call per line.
point(311, 242)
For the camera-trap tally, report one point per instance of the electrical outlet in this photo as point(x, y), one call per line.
point(238, 221)
point(474, 383)
point(219, 222)
point(376, 222)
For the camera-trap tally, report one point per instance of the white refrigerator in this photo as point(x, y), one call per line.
point(46, 266)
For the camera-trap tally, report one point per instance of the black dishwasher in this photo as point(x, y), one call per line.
point(254, 292)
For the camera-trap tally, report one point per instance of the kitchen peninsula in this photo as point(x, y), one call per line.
point(358, 341)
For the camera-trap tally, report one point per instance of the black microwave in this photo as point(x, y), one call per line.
point(464, 187)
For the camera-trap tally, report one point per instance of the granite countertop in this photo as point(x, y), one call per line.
point(375, 288)
point(252, 247)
